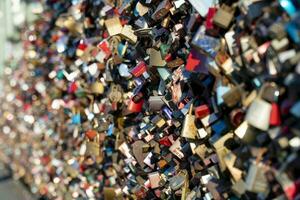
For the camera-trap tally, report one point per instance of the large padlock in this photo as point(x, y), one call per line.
point(258, 114)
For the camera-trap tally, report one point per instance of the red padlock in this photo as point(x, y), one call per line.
point(73, 87)
point(202, 111)
point(104, 46)
point(275, 119)
point(139, 69)
point(135, 107)
point(209, 24)
point(165, 141)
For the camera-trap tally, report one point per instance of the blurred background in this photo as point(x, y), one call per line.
point(14, 15)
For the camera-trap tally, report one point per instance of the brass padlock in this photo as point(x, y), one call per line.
point(221, 149)
point(128, 34)
point(156, 58)
point(224, 16)
point(113, 26)
point(93, 147)
point(229, 161)
point(97, 87)
point(189, 129)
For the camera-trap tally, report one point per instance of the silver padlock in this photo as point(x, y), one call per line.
point(258, 114)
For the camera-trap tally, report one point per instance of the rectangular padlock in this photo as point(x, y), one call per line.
point(162, 10)
point(128, 34)
point(202, 111)
point(224, 16)
point(92, 148)
point(233, 96)
point(113, 26)
point(258, 114)
point(189, 129)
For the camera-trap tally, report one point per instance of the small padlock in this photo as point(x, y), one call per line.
point(97, 87)
point(189, 129)
point(202, 111)
point(115, 94)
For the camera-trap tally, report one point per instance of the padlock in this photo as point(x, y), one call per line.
point(176, 182)
point(224, 16)
point(275, 119)
point(155, 103)
point(189, 129)
point(109, 193)
point(176, 149)
point(139, 69)
point(97, 88)
point(202, 111)
point(135, 106)
point(203, 42)
point(202, 7)
point(196, 61)
point(139, 154)
point(258, 113)
point(76, 118)
point(141, 9)
point(210, 27)
point(156, 58)
point(93, 146)
point(256, 180)
point(221, 149)
point(154, 179)
point(233, 96)
point(229, 161)
point(128, 34)
point(113, 26)
point(115, 93)
point(175, 63)
point(162, 10)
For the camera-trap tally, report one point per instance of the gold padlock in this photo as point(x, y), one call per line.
point(93, 147)
point(128, 34)
point(113, 26)
point(97, 88)
point(189, 129)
